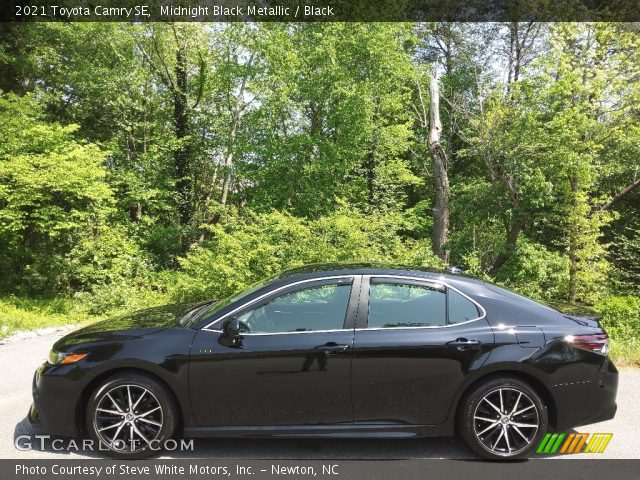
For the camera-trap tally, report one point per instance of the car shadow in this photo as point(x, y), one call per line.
point(310, 449)
point(29, 437)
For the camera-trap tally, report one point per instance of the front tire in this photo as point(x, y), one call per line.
point(130, 416)
point(503, 419)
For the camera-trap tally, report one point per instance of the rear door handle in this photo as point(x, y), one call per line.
point(463, 344)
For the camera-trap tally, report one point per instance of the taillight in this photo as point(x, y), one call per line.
point(597, 343)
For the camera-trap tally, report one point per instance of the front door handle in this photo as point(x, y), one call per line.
point(463, 344)
point(332, 347)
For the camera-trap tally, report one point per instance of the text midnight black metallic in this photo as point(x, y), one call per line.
point(320, 11)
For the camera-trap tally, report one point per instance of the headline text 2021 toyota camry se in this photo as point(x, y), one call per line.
point(333, 351)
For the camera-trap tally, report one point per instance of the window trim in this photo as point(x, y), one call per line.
point(366, 285)
point(358, 283)
point(479, 308)
point(355, 287)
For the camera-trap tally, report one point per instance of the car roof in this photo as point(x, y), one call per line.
point(371, 268)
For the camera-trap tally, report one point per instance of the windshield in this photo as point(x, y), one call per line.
point(194, 314)
point(219, 305)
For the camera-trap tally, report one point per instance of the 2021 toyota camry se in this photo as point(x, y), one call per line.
point(333, 351)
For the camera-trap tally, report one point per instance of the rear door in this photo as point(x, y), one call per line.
point(415, 343)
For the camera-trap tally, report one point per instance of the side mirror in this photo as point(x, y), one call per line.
point(231, 328)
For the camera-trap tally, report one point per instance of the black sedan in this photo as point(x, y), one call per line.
point(333, 351)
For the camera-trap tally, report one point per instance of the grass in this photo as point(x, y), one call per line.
point(24, 314)
point(626, 352)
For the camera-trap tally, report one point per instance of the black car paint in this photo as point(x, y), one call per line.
point(349, 382)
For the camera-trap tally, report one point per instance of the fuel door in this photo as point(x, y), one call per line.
point(530, 337)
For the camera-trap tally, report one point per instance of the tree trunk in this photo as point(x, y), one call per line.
point(228, 157)
point(440, 176)
point(619, 196)
point(573, 246)
point(181, 125)
point(513, 232)
point(228, 164)
point(13, 38)
point(370, 160)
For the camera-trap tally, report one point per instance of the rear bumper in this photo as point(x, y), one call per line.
point(588, 401)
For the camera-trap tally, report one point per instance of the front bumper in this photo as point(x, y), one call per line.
point(56, 391)
point(33, 416)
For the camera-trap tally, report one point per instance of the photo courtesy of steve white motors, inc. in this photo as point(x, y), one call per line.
point(336, 239)
point(163, 469)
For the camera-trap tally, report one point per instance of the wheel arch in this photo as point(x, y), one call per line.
point(525, 376)
point(83, 400)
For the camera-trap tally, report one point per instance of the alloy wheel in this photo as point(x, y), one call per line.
point(506, 421)
point(128, 418)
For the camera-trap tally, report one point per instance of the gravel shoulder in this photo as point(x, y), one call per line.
point(20, 357)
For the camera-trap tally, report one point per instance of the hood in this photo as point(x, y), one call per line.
point(142, 322)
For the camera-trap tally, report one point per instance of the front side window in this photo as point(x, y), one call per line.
point(309, 309)
point(396, 305)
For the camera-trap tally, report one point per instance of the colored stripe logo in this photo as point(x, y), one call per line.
point(574, 443)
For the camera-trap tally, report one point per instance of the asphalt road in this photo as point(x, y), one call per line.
point(20, 358)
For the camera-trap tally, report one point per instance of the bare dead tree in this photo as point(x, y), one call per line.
point(431, 121)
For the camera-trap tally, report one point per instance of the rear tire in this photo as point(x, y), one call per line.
point(503, 419)
point(130, 416)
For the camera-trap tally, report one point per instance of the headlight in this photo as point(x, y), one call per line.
point(63, 358)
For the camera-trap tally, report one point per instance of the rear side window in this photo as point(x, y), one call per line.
point(461, 309)
point(396, 305)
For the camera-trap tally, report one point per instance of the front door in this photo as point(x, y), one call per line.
point(291, 366)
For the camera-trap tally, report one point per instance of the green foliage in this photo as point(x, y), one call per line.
point(289, 144)
point(537, 272)
point(113, 273)
point(625, 251)
point(621, 316)
point(105, 256)
point(246, 249)
point(53, 191)
point(125, 295)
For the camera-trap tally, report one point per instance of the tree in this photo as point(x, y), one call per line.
point(431, 121)
point(53, 192)
point(176, 54)
point(331, 126)
point(518, 160)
